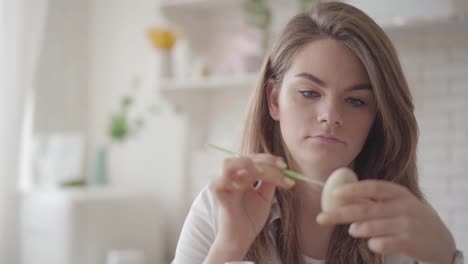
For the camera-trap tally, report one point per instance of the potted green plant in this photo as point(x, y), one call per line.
point(122, 126)
point(258, 14)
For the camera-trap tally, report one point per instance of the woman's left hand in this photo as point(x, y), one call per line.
point(394, 220)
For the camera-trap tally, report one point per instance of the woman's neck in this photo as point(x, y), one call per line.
point(313, 238)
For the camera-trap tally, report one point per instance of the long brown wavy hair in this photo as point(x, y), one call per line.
point(390, 149)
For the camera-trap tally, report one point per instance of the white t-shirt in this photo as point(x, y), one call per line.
point(200, 228)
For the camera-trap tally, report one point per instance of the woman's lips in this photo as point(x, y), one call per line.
point(328, 140)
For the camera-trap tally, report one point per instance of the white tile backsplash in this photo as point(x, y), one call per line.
point(436, 64)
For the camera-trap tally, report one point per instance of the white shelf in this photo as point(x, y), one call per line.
point(183, 93)
point(210, 83)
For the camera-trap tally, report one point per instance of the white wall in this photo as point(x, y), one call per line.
point(3, 137)
point(119, 51)
point(436, 62)
point(60, 83)
point(12, 93)
point(62, 77)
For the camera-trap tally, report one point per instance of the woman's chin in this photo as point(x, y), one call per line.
point(320, 168)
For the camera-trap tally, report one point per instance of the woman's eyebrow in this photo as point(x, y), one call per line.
point(362, 86)
point(311, 77)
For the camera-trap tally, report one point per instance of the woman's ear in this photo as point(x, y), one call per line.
point(272, 98)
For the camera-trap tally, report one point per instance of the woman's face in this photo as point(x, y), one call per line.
point(325, 107)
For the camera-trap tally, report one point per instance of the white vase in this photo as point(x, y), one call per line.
point(164, 64)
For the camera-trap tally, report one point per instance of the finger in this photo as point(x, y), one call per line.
point(245, 179)
point(274, 175)
point(244, 172)
point(371, 189)
point(269, 159)
point(222, 185)
point(272, 167)
point(236, 175)
point(379, 227)
point(387, 244)
point(272, 161)
point(234, 168)
point(233, 172)
point(359, 212)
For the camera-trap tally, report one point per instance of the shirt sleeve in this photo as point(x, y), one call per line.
point(198, 232)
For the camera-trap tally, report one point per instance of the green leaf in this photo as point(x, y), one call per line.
point(119, 126)
point(258, 13)
point(74, 183)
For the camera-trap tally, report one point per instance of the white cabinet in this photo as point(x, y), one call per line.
point(83, 226)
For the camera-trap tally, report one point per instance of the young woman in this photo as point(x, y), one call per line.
point(332, 94)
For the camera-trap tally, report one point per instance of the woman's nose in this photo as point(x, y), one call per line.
point(330, 114)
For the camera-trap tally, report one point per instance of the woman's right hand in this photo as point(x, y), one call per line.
point(243, 208)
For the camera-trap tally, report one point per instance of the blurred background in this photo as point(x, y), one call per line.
point(106, 107)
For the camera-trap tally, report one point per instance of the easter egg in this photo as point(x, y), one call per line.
point(337, 179)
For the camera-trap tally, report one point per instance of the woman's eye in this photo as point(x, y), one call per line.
point(355, 102)
point(309, 94)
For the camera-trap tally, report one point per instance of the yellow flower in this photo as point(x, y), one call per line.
point(162, 38)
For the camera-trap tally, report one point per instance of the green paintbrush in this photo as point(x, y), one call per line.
point(286, 172)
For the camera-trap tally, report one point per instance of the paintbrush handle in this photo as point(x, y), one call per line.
point(298, 176)
point(286, 172)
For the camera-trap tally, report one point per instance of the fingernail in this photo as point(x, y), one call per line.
point(241, 172)
point(289, 181)
point(281, 164)
point(337, 192)
point(259, 169)
point(353, 227)
point(322, 218)
point(235, 185)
